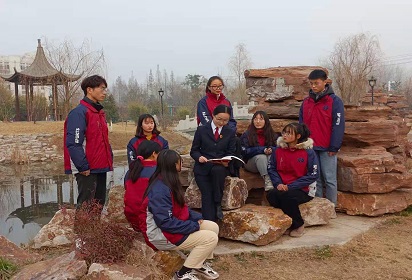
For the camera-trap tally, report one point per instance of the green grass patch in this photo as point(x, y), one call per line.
point(407, 212)
point(323, 252)
point(7, 269)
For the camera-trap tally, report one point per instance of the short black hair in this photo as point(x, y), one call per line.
point(92, 82)
point(222, 109)
point(318, 74)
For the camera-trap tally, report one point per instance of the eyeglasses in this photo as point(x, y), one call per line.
point(104, 89)
point(222, 120)
point(217, 87)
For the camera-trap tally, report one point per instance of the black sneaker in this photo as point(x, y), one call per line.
point(207, 271)
point(190, 275)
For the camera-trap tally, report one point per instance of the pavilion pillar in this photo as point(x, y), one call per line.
point(27, 101)
point(54, 97)
point(31, 103)
point(67, 101)
point(16, 101)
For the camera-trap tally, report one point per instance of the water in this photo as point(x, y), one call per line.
point(31, 194)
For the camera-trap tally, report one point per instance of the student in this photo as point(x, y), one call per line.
point(146, 130)
point(258, 142)
point(323, 112)
point(137, 179)
point(87, 152)
point(293, 169)
point(214, 97)
point(168, 224)
point(213, 140)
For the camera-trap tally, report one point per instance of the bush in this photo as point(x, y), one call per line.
point(6, 269)
point(182, 112)
point(100, 241)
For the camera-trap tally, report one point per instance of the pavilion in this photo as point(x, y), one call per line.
point(39, 73)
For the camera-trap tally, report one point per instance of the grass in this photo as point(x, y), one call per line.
point(6, 269)
point(323, 252)
point(407, 212)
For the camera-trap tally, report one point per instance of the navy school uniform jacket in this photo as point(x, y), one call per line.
point(164, 223)
point(250, 151)
point(204, 144)
point(86, 139)
point(135, 142)
point(297, 168)
point(325, 119)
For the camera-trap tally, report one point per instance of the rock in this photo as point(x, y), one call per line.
point(253, 180)
point(119, 271)
point(169, 261)
point(115, 206)
point(280, 111)
point(13, 253)
point(259, 225)
point(366, 113)
point(63, 267)
point(318, 211)
point(374, 204)
point(235, 194)
point(58, 232)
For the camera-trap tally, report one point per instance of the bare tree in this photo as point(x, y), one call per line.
point(351, 62)
point(72, 59)
point(6, 103)
point(238, 63)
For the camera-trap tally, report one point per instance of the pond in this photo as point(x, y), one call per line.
point(31, 194)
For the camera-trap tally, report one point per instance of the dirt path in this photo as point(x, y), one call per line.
point(385, 252)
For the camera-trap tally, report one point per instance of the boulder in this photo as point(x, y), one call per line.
point(63, 267)
point(169, 261)
point(374, 204)
point(318, 211)
point(115, 206)
point(58, 232)
point(118, 271)
point(366, 113)
point(234, 194)
point(253, 180)
point(258, 225)
point(13, 253)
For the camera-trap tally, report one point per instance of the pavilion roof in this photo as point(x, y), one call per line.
point(40, 72)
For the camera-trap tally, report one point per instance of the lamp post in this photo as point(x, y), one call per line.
point(161, 93)
point(372, 83)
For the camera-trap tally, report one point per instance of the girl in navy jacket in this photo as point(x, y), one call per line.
point(168, 224)
point(146, 130)
point(293, 169)
point(137, 180)
point(258, 142)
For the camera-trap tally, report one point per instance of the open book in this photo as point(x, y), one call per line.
point(225, 159)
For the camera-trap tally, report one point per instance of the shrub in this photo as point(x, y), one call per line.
point(6, 269)
point(100, 241)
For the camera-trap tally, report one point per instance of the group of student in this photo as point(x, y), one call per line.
point(154, 197)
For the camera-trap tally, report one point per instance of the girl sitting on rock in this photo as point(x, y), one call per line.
point(258, 142)
point(293, 169)
point(146, 130)
point(168, 224)
point(137, 180)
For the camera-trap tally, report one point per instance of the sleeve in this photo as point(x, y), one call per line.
point(161, 206)
point(231, 148)
point(301, 112)
point(165, 144)
point(75, 136)
point(338, 125)
point(195, 151)
point(203, 115)
point(272, 170)
point(249, 151)
point(232, 122)
point(311, 175)
point(131, 153)
point(195, 216)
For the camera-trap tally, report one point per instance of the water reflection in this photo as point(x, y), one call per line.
point(30, 195)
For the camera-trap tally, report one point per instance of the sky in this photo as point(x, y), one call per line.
point(199, 37)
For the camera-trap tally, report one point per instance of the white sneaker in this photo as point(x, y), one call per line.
point(190, 275)
point(268, 183)
point(207, 271)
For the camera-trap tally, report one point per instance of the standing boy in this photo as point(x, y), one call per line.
point(87, 152)
point(323, 112)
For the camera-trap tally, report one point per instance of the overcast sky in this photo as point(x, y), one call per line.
point(189, 36)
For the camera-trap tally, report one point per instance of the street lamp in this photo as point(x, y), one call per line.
point(372, 83)
point(161, 93)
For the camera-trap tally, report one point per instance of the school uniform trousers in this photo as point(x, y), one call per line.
point(210, 177)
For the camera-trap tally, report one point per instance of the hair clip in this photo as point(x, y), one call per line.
point(140, 157)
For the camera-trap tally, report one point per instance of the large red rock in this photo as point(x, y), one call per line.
point(13, 253)
point(64, 267)
point(366, 113)
point(374, 204)
point(318, 211)
point(259, 225)
point(252, 180)
point(118, 271)
point(115, 206)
